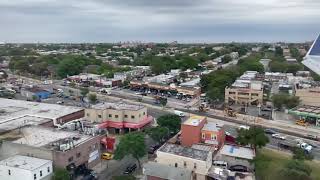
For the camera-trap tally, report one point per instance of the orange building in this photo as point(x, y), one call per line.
point(197, 130)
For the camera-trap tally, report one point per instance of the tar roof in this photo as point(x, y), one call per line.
point(236, 151)
point(166, 172)
point(24, 162)
point(210, 126)
point(118, 106)
point(185, 151)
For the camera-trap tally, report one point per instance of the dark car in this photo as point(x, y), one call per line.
point(239, 168)
point(130, 169)
point(270, 131)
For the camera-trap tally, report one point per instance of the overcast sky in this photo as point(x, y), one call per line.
point(158, 20)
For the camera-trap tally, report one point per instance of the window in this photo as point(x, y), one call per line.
point(48, 169)
point(40, 173)
point(213, 137)
point(195, 165)
point(203, 135)
point(34, 176)
point(88, 114)
point(132, 117)
point(9, 172)
point(144, 113)
point(78, 154)
point(110, 115)
point(176, 165)
point(194, 176)
point(116, 116)
point(125, 116)
point(70, 159)
point(99, 116)
point(185, 164)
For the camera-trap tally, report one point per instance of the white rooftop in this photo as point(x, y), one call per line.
point(17, 113)
point(238, 152)
point(40, 136)
point(24, 162)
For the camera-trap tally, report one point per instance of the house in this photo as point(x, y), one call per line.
point(197, 130)
point(26, 168)
point(177, 156)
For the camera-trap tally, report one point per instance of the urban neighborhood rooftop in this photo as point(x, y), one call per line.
point(237, 152)
point(185, 151)
point(194, 120)
point(118, 106)
point(24, 162)
point(17, 113)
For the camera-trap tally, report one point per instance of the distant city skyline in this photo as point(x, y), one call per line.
point(185, 21)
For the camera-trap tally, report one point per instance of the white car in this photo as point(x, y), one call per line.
point(244, 127)
point(278, 136)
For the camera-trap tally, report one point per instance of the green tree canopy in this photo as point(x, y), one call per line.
point(158, 134)
point(255, 137)
point(61, 174)
point(92, 97)
point(131, 144)
point(170, 121)
point(285, 100)
point(84, 91)
point(296, 170)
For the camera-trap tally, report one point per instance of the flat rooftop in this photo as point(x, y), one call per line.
point(17, 113)
point(24, 162)
point(211, 126)
point(194, 120)
point(37, 136)
point(238, 152)
point(117, 106)
point(185, 151)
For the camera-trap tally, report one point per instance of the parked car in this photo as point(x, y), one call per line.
point(239, 168)
point(278, 136)
point(130, 169)
point(106, 156)
point(270, 131)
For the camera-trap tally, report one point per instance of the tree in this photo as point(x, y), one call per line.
point(61, 174)
point(131, 144)
point(296, 170)
point(158, 134)
point(279, 51)
point(92, 97)
point(84, 91)
point(300, 154)
point(255, 137)
point(226, 59)
point(280, 100)
point(163, 101)
point(170, 121)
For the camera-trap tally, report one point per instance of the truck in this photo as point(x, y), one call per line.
point(292, 145)
point(105, 91)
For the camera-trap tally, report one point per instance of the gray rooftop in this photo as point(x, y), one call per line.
point(166, 172)
point(238, 152)
point(17, 113)
point(117, 106)
point(37, 136)
point(24, 162)
point(210, 126)
point(185, 151)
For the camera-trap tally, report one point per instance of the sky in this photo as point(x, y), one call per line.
point(185, 21)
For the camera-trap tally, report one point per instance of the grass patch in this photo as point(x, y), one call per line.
point(273, 161)
point(124, 177)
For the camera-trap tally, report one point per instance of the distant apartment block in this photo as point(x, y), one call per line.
point(245, 90)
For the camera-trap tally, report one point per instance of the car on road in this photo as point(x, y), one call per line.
point(278, 136)
point(130, 169)
point(60, 102)
point(106, 156)
point(244, 127)
point(270, 131)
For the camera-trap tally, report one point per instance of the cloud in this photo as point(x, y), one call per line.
point(158, 20)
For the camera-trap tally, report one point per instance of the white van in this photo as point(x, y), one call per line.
point(179, 113)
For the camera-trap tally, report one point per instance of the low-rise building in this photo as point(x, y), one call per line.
point(35, 93)
point(245, 90)
point(197, 130)
point(157, 171)
point(309, 96)
point(24, 167)
point(16, 114)
point(176, 156)
point(66, 149)
point(118, 116)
